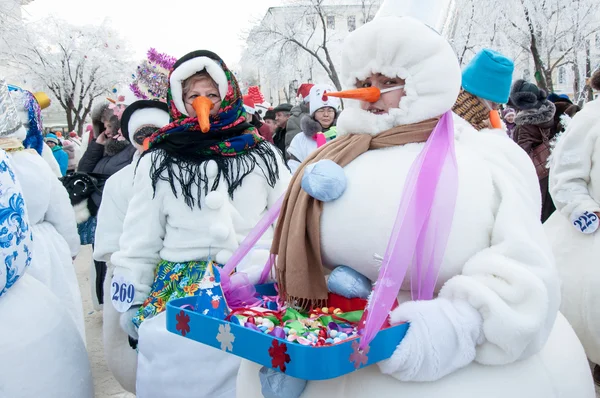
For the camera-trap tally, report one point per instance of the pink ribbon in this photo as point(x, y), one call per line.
point(421, 229)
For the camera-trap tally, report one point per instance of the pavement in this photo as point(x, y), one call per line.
point(105, 385)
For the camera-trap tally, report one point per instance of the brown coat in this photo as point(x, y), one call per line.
point(533, 128)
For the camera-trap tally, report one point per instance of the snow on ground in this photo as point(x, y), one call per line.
point(105, 384)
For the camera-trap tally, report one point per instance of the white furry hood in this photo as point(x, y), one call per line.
point(406, 48)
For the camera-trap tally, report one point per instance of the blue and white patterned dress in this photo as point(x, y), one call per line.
point(15, 233)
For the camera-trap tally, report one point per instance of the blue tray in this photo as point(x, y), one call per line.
point(293, 359)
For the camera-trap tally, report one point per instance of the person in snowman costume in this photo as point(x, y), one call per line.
point(492, 328)
point(55, 238)
point(140, 120)
point(205, 181)
point(42, 353)
point(29, 107)
point(573, 230)
point(317, 128)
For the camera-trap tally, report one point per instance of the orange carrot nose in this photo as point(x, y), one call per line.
point(495, 119)
point(203, 106)
point(146, 144)
point(368, 94)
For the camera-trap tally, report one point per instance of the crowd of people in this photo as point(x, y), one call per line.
point(484, 178)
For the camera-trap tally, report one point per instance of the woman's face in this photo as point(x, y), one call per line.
point(387, 100)
point(510, 118)
point(204, 87)
point(108, 129)
point(325, 116)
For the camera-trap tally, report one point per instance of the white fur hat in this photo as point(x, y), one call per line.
point(404, 47)
point(318, 100)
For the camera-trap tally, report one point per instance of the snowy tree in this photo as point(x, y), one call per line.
point(548, 33)
point(76, 64)
point(303, 35)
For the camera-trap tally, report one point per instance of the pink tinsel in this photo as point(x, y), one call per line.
point(164, 60)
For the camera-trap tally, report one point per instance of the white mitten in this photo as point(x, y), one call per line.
point(126, 323)
point(441, 339)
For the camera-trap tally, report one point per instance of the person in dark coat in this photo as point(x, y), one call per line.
point(108, 153)
point(535, 127)
point(282, 115)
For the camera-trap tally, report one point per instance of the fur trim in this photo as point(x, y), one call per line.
point(429, 66)
point(82, 213)
point(309, 126)
point(189, 68)
point(97, 117)
point(147, 116)
point(536, 116)
point(595, 80)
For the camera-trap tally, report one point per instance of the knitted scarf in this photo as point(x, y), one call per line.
point(473, 110)
point(297, 239)
point(182, 152)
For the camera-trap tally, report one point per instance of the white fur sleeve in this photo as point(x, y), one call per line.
point(111, 216)
point(571, 166)
point(143, 234)
point(512, 283)
point(61, 215)
point(298, 151)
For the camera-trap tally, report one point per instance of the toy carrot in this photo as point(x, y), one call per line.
point(202, 106)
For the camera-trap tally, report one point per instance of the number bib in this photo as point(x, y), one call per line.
point(586, 223)
point(122, 293)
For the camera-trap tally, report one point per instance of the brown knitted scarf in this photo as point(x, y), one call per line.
point(297, 235)
point(473, 110)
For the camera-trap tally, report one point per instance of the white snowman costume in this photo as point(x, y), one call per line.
point(41, 351)
point(121, 358)
point(160, 226)
point(575, 189)
point(493, 329)
point(55, 237)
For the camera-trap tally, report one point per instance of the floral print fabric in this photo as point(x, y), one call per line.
point(171, 281)
point(15, 234)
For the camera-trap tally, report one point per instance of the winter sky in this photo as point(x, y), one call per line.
point(175, 27)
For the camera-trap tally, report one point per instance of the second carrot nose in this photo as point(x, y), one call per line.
point(203, 106)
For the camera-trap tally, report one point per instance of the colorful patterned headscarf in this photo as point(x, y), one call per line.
point(231, 142)
point(231, 112)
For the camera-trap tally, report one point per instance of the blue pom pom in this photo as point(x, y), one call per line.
point(278, 385)
point(324, 180)
point(348, 283)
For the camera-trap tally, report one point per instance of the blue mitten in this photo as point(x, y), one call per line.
point(324, 180)
point(348, 283)
point(278, 385)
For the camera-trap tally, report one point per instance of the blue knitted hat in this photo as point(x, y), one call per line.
point(489, 76)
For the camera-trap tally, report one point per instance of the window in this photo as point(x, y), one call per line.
point(351, 23)
point(331, 22)
point(562, 75)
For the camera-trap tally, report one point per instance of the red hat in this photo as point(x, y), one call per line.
point(73, 134)
point(249, 104)
point(304, 90)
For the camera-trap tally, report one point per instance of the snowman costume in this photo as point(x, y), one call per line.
point(55, 238)
point(304, 144)
point(29, 110)
point(162, 226)
point(494, 316)
point(43, 354)
point(575, 189)
point(140, 119)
